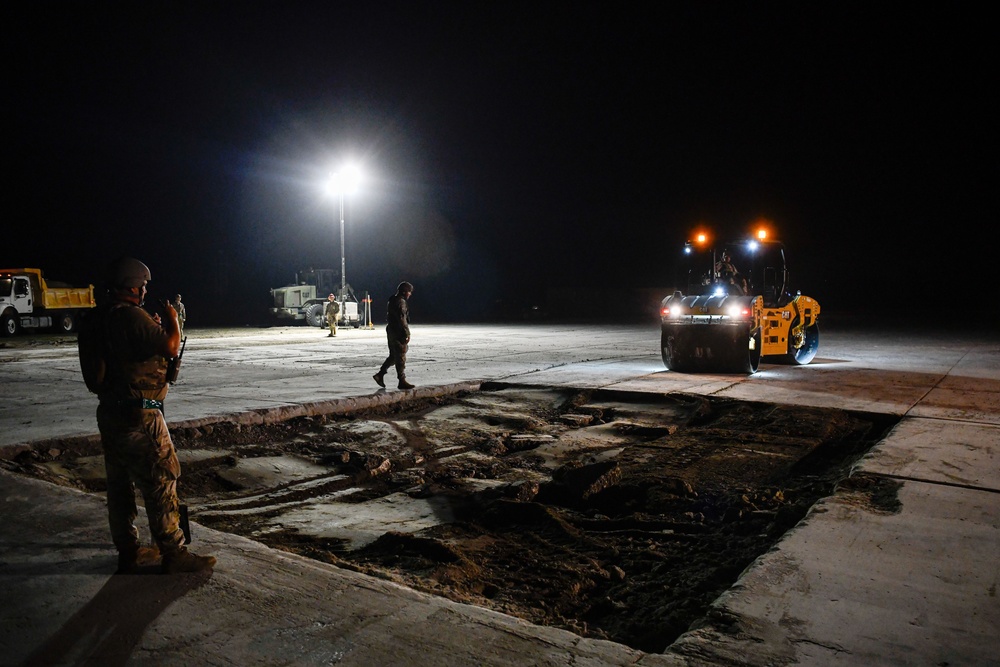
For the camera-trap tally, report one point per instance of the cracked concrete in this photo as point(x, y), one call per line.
point(847, 586)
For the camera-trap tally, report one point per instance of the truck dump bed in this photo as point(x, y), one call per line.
point(68, 297)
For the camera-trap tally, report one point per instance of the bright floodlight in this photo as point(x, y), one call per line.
point(345, 181)
point(341, 184)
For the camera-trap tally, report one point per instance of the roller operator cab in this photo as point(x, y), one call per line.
point(733, 308)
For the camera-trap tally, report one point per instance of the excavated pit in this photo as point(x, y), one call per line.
point(617, 516)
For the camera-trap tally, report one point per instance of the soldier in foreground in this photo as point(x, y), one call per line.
point(397, 331)
point(124, 355)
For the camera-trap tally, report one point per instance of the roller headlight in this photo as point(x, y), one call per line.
point(672, 311)
point(738, 312)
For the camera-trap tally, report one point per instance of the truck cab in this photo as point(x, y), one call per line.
point(304, 301)
point(15, 292)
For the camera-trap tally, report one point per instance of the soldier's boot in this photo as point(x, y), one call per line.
point(403, 384)
point(130, 560)
point(379, 378)
point(186, 561)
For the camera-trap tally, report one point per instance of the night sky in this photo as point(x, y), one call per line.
point(512, 151)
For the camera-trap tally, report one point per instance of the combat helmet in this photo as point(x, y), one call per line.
point(128, 272)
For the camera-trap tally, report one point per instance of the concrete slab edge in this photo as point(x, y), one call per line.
point(334, 406)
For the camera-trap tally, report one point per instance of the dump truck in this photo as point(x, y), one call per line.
point(304, 300)
point(736, 308)
point(28, 301)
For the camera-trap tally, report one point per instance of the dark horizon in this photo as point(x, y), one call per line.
point(511, 151)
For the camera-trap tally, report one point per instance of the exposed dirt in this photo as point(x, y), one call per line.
point(611, 515)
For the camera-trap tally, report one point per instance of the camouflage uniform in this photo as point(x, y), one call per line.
point(181, 312)
point(397, 331)
point(138, 451)
point(332, 313)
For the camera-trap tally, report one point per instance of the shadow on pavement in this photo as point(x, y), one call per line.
point(107, 629)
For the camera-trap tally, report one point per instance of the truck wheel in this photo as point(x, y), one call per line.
point(314, 315)
point(66, 323)
point(9, 324)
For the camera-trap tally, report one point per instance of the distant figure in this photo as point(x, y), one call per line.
point(181, 312)
point(397, 331)
point(332, 313)
point(724, 267)
point(726, 271)
point(124, 354)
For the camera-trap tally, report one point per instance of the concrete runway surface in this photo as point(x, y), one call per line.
point(847, 586)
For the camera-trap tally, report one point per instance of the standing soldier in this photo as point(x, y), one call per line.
point(181, 313)
point(332, 313)
point(124, 353)
point(397, 331)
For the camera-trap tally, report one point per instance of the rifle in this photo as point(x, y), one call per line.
point(182, 515)
point(174, 365)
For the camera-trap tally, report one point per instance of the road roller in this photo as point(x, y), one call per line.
point(736, 309)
